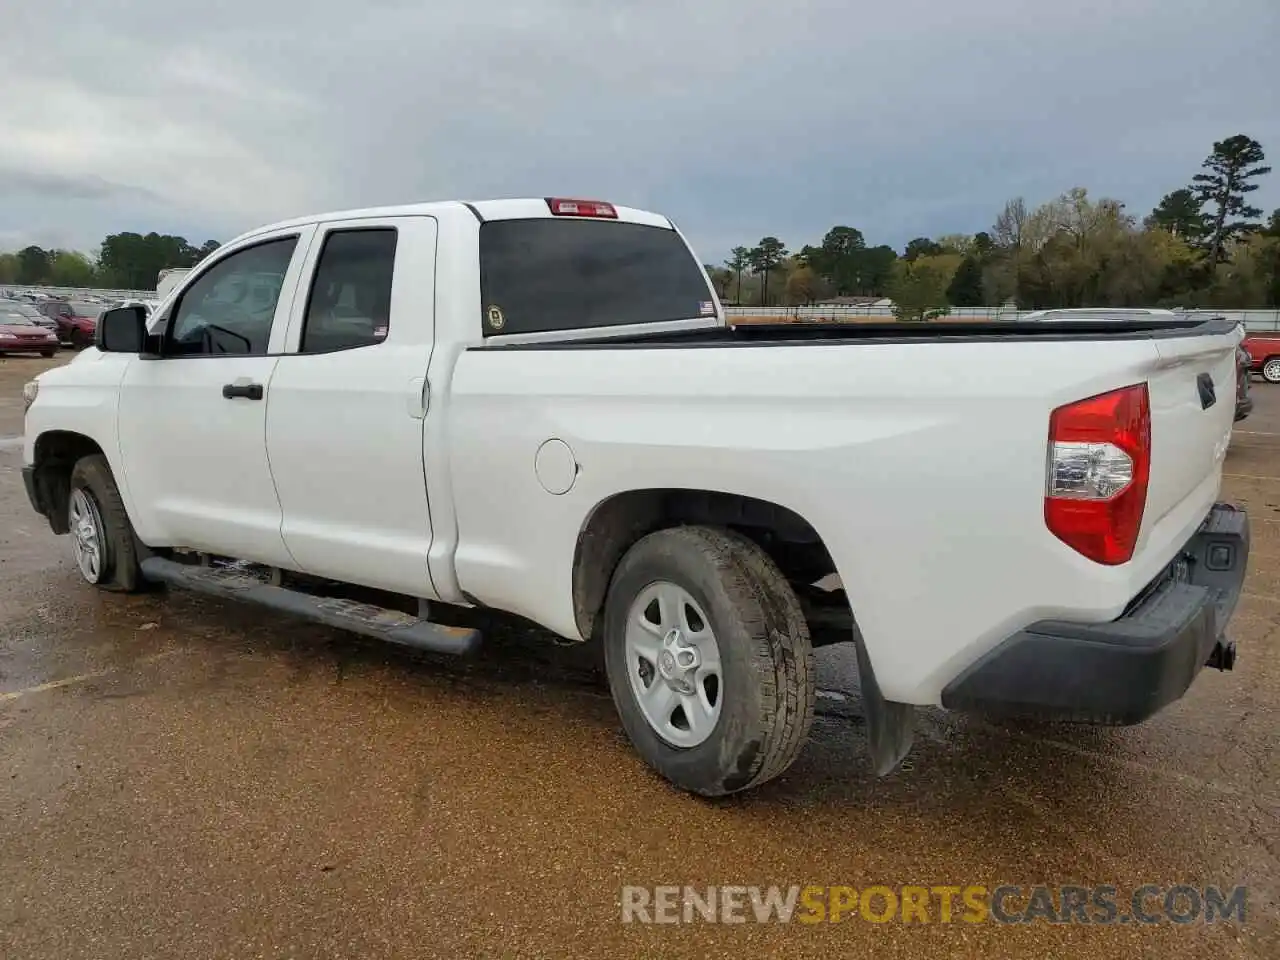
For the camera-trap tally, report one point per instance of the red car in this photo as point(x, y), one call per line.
point(77, 320)
point(20, 334)
point(1264, 355)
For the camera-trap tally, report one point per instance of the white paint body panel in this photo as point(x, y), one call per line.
point(80, 397)
point(195, 462)
point(344, 433)
point(921, 465)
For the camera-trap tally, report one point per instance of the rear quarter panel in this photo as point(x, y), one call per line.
point(922, 466)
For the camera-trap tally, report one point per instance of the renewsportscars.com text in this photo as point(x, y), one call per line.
point(815, 904)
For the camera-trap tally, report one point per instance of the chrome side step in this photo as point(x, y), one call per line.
point(238, 583)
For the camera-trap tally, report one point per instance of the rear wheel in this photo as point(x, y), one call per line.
point(1271, 370)
point(102, 538)
point(709, 659)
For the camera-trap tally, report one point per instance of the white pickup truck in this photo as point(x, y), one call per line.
point(536, 406)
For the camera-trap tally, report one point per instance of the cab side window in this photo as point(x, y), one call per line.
point(229, 309)
point(350, 300)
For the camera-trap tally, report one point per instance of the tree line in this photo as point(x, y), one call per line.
point(124, 261)
point(1203, 245)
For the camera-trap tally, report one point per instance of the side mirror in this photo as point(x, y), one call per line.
point(122, 330)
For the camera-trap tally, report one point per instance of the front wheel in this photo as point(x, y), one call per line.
point(78, 339)
point(709, 660)
point(1271, 370)
point(102, 538)
point(46, 354)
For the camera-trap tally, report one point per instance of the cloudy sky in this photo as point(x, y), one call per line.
point(738, 119)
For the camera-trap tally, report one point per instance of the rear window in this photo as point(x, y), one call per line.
point(556, 274)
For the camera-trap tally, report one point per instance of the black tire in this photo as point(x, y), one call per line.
point(768, 673)
point(46, 354)
point(1271, 370)
point(78, 340)
point(119, 568)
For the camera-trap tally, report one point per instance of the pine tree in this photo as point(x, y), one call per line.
point(1233, 165)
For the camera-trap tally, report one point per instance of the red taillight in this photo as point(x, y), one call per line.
point(1099, 461)
point(581, 208)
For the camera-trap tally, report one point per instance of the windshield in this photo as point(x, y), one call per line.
point(83, 309)
point(10, 319)
point(558, 274)
point(21, 309)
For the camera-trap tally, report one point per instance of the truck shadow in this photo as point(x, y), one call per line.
point(518, 655)
point(955, 758)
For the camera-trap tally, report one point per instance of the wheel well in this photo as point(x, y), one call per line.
point(56, 453)
point(623, 519)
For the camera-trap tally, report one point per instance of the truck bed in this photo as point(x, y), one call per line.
point(798, 333)
point(916, 450)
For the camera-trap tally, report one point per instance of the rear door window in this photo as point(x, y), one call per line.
point(560, 274)
point(350, 301)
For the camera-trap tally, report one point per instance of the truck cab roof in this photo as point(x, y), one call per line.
point(526, 208)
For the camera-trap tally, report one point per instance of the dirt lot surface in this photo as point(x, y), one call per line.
point(184, 777)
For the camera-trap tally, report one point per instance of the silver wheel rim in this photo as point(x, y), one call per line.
point(1271, 371)
point(673, 664)
point(86, 534)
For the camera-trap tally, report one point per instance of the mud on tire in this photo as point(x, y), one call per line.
point(119, 565)
point(764, 649)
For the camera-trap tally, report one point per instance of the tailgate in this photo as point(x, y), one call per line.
point(1193, 394)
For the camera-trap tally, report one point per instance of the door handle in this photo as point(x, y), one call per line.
point(419, 391)
point(249, 391)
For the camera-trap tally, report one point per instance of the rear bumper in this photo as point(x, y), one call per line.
point(1124, 671)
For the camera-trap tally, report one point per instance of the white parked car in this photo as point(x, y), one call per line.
point(169, 279)
point(147, 305)
point(537, 406)
point(1100, 313)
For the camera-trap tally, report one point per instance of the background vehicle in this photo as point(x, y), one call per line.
point(53, 308)
point(77, 320)
point(1264, 354)
point(19, 334)
point(24, 308)
point(1098, 313)
point(169, 279)
point(1244, 402)
point(558, 424)
point(147, 305)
